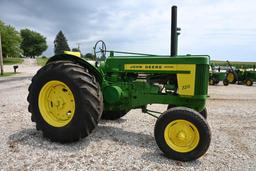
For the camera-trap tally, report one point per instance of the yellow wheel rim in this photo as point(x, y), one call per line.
point(248, 82)
point(211, 82)
point(230, 77)
point(181, 136)
point(56, 103)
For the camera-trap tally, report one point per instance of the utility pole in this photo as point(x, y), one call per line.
point(1, 57)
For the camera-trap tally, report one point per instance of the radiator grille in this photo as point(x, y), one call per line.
point(202, 76)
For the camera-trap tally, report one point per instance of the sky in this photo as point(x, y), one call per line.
point(223, 29)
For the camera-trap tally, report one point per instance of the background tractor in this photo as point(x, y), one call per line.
point(241, 76)
point(69, 95)
point(216, 75)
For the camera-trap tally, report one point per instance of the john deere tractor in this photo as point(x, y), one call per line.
point(69, 95)
point(215, 76)
point(241, 76)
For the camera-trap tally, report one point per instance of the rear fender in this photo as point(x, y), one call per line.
point(81, 62)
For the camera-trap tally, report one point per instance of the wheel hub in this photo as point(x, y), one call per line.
point(181, 135)
point(230, 76)
point(248, 82)
point(56, 103)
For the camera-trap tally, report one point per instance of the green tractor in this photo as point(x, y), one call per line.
point(69, 95)
point(241, 76)
point(216, 75)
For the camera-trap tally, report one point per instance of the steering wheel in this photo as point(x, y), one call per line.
point(100, 50)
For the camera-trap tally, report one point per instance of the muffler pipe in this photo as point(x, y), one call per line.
point(174, 34)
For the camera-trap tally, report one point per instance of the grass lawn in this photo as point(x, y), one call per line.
point(41, 61)
point(11, 61)
point(6, 74)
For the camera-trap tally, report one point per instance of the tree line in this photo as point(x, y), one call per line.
point(28, 43)
point(23, 43)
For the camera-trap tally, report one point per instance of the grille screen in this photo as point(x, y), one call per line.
point(202, 76)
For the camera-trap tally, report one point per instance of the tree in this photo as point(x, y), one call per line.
point(60, 43)
point(10, 41)
point(89, 56)
point(33, 43)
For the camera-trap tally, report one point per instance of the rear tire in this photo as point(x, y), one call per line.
point(232, 77)
point(86, 105)
point(182, 134)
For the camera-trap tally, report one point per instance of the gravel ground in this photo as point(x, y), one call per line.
point(128, 143)
point(27, 68)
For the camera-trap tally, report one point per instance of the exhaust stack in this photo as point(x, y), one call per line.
point(174, 32)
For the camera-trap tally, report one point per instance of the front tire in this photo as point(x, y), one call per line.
point(182, 134)
point(248, 82)
point(203, 113)
point(216, 81)
point(65, 101)
point(211, 82)
point(225, 82)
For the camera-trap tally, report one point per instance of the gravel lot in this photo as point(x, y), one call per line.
point(128, 143)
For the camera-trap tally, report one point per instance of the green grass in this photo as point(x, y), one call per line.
point(41, 61)
point(6, 74)
point(12, 61)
